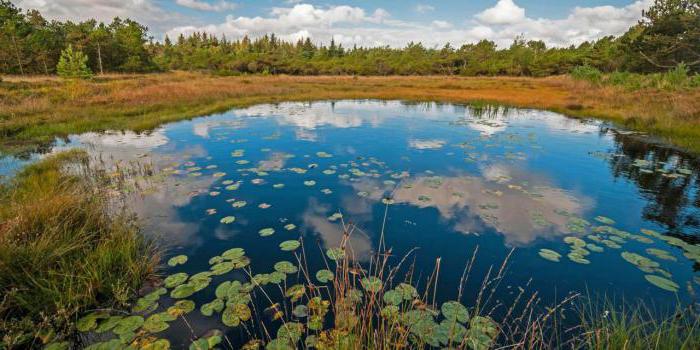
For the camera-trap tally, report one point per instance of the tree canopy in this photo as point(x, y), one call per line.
point(667, 35)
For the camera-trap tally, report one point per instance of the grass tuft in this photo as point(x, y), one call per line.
point(64, 248)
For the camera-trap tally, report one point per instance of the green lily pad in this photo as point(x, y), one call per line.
point(296, 292)
point(181, 307)
point(286, 267)
point(550, 255)
point(239, 204)
point(578, 258)
point(109, 324)
point(266, 232)
point(208, 309)
point(324, 276)
point(372, 284)
point(234, 314)
point(228, 220)
point(177, 260)
point(454, 311)
point(392, 297)
point(291, 331)
point(182, 291)
point(290, 245)
point(639, 261)
point(310, 183)
point(662, 283)
point(407, 291)
point(175, 280)
point(233, 254)
point(335, 253)
point(89, 321)
point(290, 227)
point(661, 254)
point(128, 324)
point(605, 220)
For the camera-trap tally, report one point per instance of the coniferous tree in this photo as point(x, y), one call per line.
point(73, 64)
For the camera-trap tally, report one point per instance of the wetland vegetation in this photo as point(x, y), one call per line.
point(204, 193)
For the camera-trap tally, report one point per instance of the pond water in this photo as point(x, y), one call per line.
point(619, 211)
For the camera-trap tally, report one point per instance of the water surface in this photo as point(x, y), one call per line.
point(456, 178)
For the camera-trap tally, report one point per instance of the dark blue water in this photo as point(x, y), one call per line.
point(461, 179)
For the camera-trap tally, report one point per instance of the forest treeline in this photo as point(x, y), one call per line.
point(668, 35)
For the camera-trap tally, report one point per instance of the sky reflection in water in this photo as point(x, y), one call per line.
point(458, 178)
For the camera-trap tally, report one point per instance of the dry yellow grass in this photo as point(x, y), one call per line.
point(39, 108)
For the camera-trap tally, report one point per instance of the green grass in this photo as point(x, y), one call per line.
point(618, 325)
point(63, 249)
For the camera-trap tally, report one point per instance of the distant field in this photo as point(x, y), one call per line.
point(35, 110)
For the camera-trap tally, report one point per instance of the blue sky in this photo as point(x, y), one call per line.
point(364, 22)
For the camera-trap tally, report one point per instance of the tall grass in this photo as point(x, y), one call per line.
point(615, 325)
point(64, 248)
point(676, 79)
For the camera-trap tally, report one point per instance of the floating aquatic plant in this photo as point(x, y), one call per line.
point(177, 260)
point(662, 283)
point(228, 220)
point(549, 255)
point(290, 245)
point(266, 232)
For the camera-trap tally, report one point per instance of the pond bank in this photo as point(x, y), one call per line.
point(63, 250)
point(36, 110)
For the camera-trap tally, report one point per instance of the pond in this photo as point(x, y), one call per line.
point(575, 206)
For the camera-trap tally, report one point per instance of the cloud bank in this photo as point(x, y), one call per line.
point(353, 25)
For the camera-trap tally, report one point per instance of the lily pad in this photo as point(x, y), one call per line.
point(208, 309)
point(296, 292)
point(662, 283)
point(181, 307)
point(290, 227)
point(177, 260)
point(454, 311)
point(234, 314)
point(266, 232)
point(310, 183)
point(286, 267)
point(290, 245)
point(228, 220)
point(89, 321)
point(392, 297)
point(550, 255)
point(182, 291)
point(605, 220)
point(175, 280)
point(335, 253)
point(324, 276)
point(372, 284)
point(128, 324)
point(233, 254)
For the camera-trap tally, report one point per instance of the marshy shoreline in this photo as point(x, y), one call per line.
point(69, 210)
point(36, 110)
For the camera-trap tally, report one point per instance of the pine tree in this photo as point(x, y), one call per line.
point(73, 64)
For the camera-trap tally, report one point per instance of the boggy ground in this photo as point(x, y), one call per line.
point(35, 110)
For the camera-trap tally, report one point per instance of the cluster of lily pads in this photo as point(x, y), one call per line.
point(302, 318)
point(596, 238)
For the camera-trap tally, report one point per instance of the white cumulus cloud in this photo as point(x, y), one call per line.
point(505, 12)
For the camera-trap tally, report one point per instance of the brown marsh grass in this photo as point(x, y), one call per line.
point(37, 109)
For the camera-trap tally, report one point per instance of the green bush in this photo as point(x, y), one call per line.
point(587, 73)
